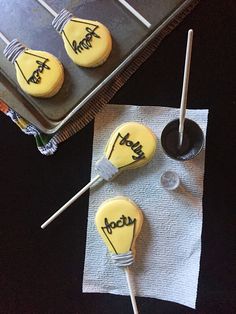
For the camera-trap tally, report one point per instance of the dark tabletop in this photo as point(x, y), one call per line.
point(41, 271)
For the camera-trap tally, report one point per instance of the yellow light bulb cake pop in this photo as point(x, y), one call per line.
point(88, 43)
point(130, 146)
point(39, 73)
point(119, 221)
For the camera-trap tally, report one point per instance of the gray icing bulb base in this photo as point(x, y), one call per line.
point(13, 50)
point(123, 260)
point(61, 19)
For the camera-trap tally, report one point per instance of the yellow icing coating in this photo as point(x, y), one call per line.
point(119, 221)
point(92, 50)
point(39, 73)
point(131, 145)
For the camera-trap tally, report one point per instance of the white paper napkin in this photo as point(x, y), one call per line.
point(169, 245)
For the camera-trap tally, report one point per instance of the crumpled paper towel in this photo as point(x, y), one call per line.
point(169, 246)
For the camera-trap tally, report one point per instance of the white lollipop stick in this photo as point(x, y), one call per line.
point(64, 207)
point(185, 86)
point(131, 292)
point(47, 7)
point(135, 13)
point(4, 38)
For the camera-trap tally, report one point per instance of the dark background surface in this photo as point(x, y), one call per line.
point(41, 271)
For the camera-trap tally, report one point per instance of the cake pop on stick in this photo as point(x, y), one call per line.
point(135, 13)
point(39, 73)
point(119, 221)
point(130, 146)
point(183, 104)
point(88, 43)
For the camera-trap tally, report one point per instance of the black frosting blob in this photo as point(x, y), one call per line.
point(193, 140)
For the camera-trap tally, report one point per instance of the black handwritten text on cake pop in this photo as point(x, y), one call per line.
point(123, 221)
point(136, 147)
point(35, 77)
point(85, 43)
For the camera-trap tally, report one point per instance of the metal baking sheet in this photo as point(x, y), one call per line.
point(30, 23)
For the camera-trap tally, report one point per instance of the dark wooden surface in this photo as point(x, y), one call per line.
point(41, 271)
